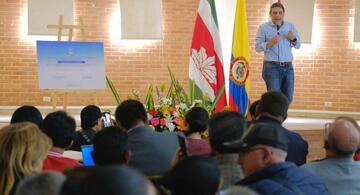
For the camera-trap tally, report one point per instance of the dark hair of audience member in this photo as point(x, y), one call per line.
point(194, 175)
point(129, 112)
point(23, 148)
point(27, 113)
point(75, 176)
point(274, 103)
point(60, 127)
point(197, 119)
point(89, 116)
point(224, 127)
point(252, 109)
point(45, 183)
point(111, 146)
point(114, 180)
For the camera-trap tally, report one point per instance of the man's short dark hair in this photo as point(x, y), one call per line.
point(129, 112)
point(27, 113)
point(194, 175)
point(274, 103)
point(74, 179)
point(277, 4)
point(89, 116)
point(110, 146)
point(60, 127)
point(225, 127)
point(113, 180)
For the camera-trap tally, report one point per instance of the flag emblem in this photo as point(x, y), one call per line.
point(239, 70)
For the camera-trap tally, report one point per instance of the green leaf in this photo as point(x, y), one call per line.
point(113, 90)
point(217, 98)
point(149, 100)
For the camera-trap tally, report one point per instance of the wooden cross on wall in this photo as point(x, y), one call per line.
point(71, 28)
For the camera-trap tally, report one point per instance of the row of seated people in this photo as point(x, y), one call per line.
point(261, 154)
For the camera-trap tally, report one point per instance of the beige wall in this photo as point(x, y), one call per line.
point(327, 71)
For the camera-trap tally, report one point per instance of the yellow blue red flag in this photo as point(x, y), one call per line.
point(239, 83)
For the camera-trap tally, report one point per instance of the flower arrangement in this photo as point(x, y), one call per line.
point(168, 113)
point(165, 117)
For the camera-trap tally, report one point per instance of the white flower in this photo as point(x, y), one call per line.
point(198, 101)
point(149, 116)
point(170, 126)
point(183, 106)
point(169, 120)
point(176, 114)
point(165, 101)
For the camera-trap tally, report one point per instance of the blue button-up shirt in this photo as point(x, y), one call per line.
point(282, 50)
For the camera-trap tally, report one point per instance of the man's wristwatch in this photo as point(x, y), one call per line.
point(294, 40)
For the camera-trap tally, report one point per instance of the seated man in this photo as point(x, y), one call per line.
point(338, 170)
point(29, 114)
point(115, 180)
point(225, 127)
point(111, 147)
point(60, 128)
point(90, 123)
point(45, 183)
point(194, 175)
point(151, 152)
point(272, 108)
point(262, 153)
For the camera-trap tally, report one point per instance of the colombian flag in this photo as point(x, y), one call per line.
point(239, 83)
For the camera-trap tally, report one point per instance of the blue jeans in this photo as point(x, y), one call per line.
point(279, 78)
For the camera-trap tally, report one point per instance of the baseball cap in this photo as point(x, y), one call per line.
point(261, 133)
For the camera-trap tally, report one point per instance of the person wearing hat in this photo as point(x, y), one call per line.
point(262, 152)
point(90, 123)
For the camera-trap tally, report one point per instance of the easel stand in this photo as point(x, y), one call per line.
point(56, 93)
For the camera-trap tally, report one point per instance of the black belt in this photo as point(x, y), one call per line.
point(279, 63)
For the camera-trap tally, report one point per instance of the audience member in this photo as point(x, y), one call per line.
point(236, 190)
point(74, 179)
point(338, 170)
point(262, 153)
point(27, 114)
point(115, 180)
point(111, 147)
point(194, 175)
point(90, 123)
point(60, 127)
point(151, 152)
point(252, 110)
point(46, 183)
point(224, 127)
point(196, 120)
point(23, 147)
point(353, 121)
point(272, 108)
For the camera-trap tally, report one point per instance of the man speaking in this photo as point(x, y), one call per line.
point(276, 39)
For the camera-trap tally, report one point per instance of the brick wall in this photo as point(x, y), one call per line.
point(326, 72)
